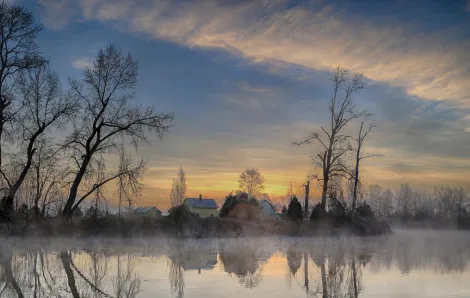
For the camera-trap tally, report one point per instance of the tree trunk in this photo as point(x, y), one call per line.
point(354, 273)
point(10, 278)
point(324, 194)
point(68, 209)
point(306, 271)
point(38, 190)
point(307, 191)
point(323, 280)
point(14, 188)
point(356, 181)
point(66, 261)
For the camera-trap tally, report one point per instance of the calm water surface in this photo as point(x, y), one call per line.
point(407, 264)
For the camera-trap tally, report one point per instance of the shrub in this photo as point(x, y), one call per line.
point(233, 199)
point(317, 212)
point(364, 210)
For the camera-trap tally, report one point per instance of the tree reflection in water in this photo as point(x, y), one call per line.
point(321, 268)
point(245, 261)
point(126, 283)
point(329, 275)
point(39, 274)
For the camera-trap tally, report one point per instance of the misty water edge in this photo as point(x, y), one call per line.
point(407, 264)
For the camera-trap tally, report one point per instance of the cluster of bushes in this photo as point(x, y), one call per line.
point(239, 206)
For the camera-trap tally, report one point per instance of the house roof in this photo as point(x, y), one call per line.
point(267, 202)
point(140, 210)
point(202, 203)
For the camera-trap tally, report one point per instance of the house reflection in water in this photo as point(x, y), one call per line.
point(188, 256)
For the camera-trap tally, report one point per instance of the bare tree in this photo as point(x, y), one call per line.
point(363, 132)
point(129, 186)
point(178, 189)
point(334, 144)
point(107, 116)
point(48, 171)
point(252, 182)
point(18, 53)
point(44, 106)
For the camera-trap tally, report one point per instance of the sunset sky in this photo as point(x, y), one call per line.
point(246, 78)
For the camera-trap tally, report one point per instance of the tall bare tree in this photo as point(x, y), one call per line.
point(363, 132)
point(107, 116)
point(252, 182)
point(18, 53)
point(333, 142)
point(178, 189)
point(44, 107)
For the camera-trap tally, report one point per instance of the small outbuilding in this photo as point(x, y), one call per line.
point(147, 211)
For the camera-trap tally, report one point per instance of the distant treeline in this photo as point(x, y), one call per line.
point(443, 203)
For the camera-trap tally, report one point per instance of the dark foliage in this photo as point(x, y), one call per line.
point(284, 212)
point(78, 212)
point(232, 199)
point(364, 210)
point(294, 211)
point(335, 207)
point(317, 212)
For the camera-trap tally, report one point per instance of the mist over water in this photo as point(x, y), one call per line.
point(416, 263)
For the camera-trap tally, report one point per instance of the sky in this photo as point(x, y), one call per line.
point(246, 78)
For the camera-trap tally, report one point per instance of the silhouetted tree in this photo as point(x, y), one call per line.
point(294, 211)
point(335, 144)
point(106, 116)
point(363, 132)
point(44, 106)
point(18, 53)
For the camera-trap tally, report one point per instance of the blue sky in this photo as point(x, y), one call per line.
point(245, 78)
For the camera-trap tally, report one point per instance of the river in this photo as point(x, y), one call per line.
point(418, 263)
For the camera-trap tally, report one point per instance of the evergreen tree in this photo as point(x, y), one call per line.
point(294, 210)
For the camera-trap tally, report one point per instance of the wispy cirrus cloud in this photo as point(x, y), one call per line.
point(431, 66)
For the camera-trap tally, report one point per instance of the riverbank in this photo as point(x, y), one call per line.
point(183, 224)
